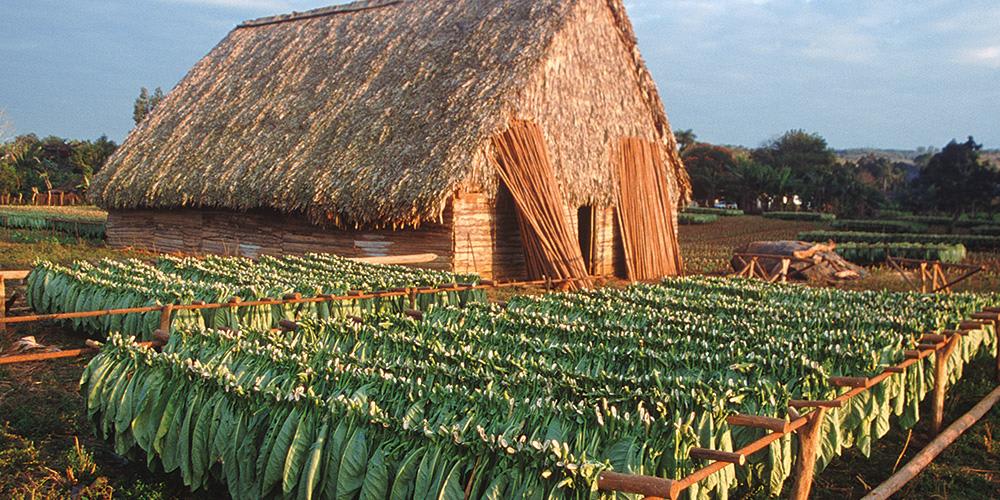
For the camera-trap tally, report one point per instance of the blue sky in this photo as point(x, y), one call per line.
point(883, 73)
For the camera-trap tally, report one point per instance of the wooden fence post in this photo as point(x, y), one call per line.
point(941, 356)
point(3, 304)
point(805, 462)
point(165, 317)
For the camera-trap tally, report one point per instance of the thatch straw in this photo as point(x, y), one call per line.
point(369, 114)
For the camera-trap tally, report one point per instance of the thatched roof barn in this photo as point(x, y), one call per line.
point(365, 128)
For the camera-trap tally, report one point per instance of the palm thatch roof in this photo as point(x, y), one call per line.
point(366, 114)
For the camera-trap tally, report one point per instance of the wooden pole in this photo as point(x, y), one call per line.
point(718, 456)
point(769, 423)
point(165, 317)
point(934, 448)
point(639, 485)
point(941, 356)
point(805, 464)
point(3, 304)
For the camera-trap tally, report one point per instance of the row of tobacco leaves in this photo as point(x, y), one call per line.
point(531, 398)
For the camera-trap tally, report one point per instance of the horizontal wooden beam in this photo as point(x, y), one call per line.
point(849, 381)
point(718, 456)
point(398, 260)
point(769, 423)
point(14, 275)
point(799, 403)
point(970, 325)
point(638, 485)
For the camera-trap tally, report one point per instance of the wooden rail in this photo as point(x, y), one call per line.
point(752, 268)
point(411, 292)
point(933, 273)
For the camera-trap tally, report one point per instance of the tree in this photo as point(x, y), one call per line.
point(754, 182)
point(711, 170)
point(29, 164)
point(145, 103)
point(685, 139)
point(881, 173)
point(810, 161)
point(848, 195)
point(956, 181)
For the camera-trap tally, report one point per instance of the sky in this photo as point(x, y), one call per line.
point(861, 73)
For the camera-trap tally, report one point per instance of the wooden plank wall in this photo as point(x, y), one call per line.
point(488, 241)
point(487, 238)
point(251, 234)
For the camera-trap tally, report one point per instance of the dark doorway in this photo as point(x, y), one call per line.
point(585, 232)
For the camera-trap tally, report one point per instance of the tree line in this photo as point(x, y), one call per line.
point(29, 164)
point(798, 170)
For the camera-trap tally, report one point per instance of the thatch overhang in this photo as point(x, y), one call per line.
point(368, 114)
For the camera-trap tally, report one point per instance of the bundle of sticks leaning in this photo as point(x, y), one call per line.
point(645, 212)
point(551, 250)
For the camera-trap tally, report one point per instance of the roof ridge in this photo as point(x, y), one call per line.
point(359, 5)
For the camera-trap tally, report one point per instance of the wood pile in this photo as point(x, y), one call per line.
point(521, 159)
point(645, 212)
point(812, 261)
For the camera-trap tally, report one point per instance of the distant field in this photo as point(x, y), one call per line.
point(708, 248)
point(82, 212)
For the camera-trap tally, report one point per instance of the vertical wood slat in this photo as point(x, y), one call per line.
point(645, 212)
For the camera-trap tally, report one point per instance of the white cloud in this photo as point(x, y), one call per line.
point(841, 45)
point(984, 56)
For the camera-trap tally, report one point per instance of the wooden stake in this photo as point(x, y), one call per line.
point(805, 464)
point(798, 403)
point(165, 317)
point(940, 380)
point(849, 381)
point(3, 304)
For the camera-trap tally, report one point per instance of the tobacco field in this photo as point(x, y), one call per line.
point(113, 284)
point(532, 398)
